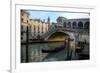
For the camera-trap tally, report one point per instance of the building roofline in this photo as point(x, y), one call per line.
point(24, 11)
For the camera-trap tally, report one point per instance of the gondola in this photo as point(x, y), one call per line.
point(57, 49)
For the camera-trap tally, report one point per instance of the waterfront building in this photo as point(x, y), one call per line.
point(38, 28)
point(25, 22)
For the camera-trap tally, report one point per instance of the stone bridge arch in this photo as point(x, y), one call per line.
point(68, 34)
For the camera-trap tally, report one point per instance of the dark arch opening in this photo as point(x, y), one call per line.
point(74, 25)
point(69, 24)
point(80, 25)
point(86, 25)
point(65, 24)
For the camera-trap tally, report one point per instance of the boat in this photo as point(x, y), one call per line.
point(57, 49)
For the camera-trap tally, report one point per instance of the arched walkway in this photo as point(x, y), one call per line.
point(86, 25)
point(80, 25)
point(69, 24)
point(65, 24)
point(74, 25)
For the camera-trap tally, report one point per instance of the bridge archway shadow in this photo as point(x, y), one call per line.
point(58, 37)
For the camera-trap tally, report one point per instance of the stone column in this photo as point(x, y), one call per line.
point(71, 25)
point(83, 25)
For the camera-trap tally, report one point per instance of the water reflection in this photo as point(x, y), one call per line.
point(35, 53)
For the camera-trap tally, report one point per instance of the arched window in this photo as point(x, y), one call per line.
point(86, 25)
point(65, 24)
point(21, 29)
point(74, 25)
point(21, 19)
point(69, 24)
point(80, 25)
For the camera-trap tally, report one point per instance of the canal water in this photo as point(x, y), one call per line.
point(35, 53)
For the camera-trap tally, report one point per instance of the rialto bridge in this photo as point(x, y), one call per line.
point(77, 29)
point(73, 28)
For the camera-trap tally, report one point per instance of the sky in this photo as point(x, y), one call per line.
point(54, 15)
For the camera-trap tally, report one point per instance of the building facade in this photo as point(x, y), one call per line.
point(36, 27)
point(25, 22)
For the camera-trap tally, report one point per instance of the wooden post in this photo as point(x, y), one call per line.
point(27, 36)
point(68, 49)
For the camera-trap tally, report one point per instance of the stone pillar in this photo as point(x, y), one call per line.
point(71, 25)
point(83, 25)
point(77, 25)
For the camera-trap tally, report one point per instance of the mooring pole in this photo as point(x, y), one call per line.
point(27, 36)
point(68, 49)
point(69, 53)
